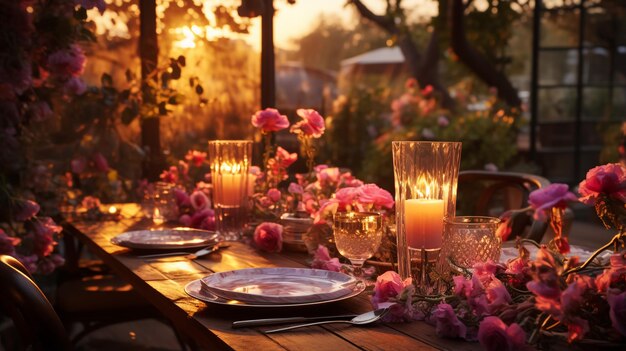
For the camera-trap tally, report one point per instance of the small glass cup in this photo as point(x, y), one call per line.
point(159, 203)
point(357, 236)
point(468, 240)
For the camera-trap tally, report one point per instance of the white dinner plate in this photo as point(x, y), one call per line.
point(194, 289)
point(279, 285)
point(509, 252)
point(176, 238)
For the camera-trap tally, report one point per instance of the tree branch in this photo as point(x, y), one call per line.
point(475, 61)
point(382, 21)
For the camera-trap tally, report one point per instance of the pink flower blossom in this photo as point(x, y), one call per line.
point(346, 196)
point(443, 121)
point(312, 123)
point(74, 86)
point(614, 274)
point(208, 223)
point(200, 216)
point(609, 179)
point(328, 175)
point(322, 260)
point(544, 199)
point(410, 83)
point(199, 200)
point(617, 302)
point(447, 325)
point(327, 209)
point(373, 195)
point(27, 210)
point(66, 63)
point(268, 236)
point(497, 295)
point(572, 296)
point(43, 240)
point(270, 120)
point(182, 198)
point(8, 244)
point(284, 158)
point(388, 285)
point(185, 220)
point(170, 175)
point(577, 328)
point(295, 188)
point(494, 335)
point(195, 157)
point(30, 262)
point(274, 194)
point(546, 282)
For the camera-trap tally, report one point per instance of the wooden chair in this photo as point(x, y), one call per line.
point(37, 323)
point(483, 193)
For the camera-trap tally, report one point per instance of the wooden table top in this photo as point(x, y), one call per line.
point(161, 282)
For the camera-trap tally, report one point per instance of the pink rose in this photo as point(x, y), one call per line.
point(185, 220)
point(7, 244)
point(612, 275)
point(346, 196)
point(371, 194)
point(268, 236)
point(295, 188)
point(572, 296)
point(67, 63)
point(208, 223)
point(270, 120)
point(388, 285)
point(322, 260)
point(284, 158)
point(312, 123)
point(198, 218)
point(43, 240)
point(27, 210)
point(170, 175)
point(447, 325)
point(617, 302)
point(274, 194)
point(328, 175)
point(497, 295)
point(609, 179)
point(494, 335)
point(195, 157)
point(199, 200)
point(544, 199)
point(182, 198)
point(327, 210)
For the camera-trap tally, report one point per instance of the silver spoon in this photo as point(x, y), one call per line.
point(362, 319)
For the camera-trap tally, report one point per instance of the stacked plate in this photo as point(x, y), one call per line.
point(166, 239)
point(275, 287)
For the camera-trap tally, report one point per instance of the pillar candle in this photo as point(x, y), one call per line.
point(423, 220)
point(230, 187)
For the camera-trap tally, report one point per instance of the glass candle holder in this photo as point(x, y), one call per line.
point(426, 175)
point(230, 162)
point(469, 240)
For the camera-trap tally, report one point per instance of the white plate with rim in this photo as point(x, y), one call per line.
point(166, 239)
point(279, 285)
point(194, 289)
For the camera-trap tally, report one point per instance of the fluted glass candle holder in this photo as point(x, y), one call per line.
point(426, 175)
point(230, 161)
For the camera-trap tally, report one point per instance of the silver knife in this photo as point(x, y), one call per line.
point(273, 321)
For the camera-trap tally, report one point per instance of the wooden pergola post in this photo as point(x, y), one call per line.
point(268, 69)
point(149, 52)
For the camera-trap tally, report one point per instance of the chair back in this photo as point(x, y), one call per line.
point(34, 317)
point(483, 193)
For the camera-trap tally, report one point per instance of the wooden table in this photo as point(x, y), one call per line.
point(161, 282)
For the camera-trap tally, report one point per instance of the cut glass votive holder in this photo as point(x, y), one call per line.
point(230, 162)
point(468, 240)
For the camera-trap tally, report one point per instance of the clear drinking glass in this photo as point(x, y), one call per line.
point(469, 240)
point(357, 236)
point(230, 162)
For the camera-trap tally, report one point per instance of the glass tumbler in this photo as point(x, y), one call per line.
point(469, 240)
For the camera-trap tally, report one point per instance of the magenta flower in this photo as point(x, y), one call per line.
point(494, 335)
point(327, 209)
point(544, 199)
point(322, 260)
point(371, 194)
point(274, 194)
point(614, 274)
point(312, 123)
point(268, 236)
point(388, 285)
point(199, 200)
point(346, 196)
point(295, 188)
point(447, 325)
point(284, 158)
point(545, 281)
point(8, 244)
point(43, 240)
point(617, 302)
point(195, 157)
point(27, 210)
point(609, 179)
point(497, 295)
point(199, 217)
point(100, 162)
point(270, 120)
point(328, 175)
point(182, 198)
point(185, 220)
point(67, 63)
point(74, 86)
point(572, 296)
point(170, 175)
